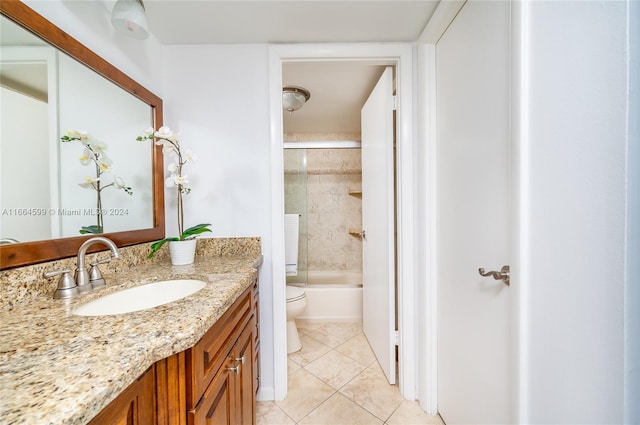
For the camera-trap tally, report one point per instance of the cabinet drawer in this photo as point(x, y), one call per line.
point(210, 353)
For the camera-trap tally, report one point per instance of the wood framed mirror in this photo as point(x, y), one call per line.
point(37, 251)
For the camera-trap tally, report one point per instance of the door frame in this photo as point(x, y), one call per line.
point(400, 55)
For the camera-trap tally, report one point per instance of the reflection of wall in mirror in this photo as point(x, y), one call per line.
point(24, 167)
point(89, 102)
point(29, 170)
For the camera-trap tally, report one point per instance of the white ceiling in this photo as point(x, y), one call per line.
point(289, 21)
point(338, 89)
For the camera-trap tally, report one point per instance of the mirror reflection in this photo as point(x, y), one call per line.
point(51, 188)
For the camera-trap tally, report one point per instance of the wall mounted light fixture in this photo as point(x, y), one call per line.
point(293, 97)
point(128, 18)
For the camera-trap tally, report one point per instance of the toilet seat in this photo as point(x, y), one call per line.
point(294, 293)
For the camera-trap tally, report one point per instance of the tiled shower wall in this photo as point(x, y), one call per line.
point(331, 174)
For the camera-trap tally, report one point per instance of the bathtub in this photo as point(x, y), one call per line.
point(333, 296)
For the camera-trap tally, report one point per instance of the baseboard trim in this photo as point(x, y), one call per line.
point(265, 394)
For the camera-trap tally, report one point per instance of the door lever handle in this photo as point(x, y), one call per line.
point(502, 275)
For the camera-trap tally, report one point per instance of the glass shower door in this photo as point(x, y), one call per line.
point(295, 202)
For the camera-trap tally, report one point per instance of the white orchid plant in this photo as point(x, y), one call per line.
point(94, 153)
point(170, 142)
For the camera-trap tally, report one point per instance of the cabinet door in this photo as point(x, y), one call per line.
point(246, 378)
point(230, 398)
point(218, 404)
point(256, 339)
point(135, 406)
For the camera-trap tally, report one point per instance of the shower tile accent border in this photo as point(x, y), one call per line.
point(310, 137)
point(22, 284)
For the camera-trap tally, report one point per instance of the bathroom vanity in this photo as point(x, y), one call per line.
point(214, 381)
point(191, 361)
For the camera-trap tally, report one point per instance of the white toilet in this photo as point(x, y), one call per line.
point(296, 303)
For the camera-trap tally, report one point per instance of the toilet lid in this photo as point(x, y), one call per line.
point(294, 293)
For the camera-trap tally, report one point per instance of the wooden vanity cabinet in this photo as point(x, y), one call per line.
point(213, 382)
point(216, 380)
point(134, 406)
point(221, 369)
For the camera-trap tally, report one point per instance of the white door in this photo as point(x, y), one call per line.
point(473, 214)
point(378, 254)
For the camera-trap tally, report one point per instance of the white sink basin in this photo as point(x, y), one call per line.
point(140, 297)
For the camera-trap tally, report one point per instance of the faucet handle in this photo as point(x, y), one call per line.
point(55, 273)
point(103, 261)
point(67, 287)
point(95, 275)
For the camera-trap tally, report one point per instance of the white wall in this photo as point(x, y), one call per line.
point(217, 98)
point(632, 308)
point(573, 212)
point(89, 22)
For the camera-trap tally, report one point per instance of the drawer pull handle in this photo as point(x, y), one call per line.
point(240, 359)
point(235, 369)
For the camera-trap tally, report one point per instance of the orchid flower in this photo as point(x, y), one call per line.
point(89, 182)
point(94, 153)
point(105, 165)
point(98, 146)
point(120, 184)
point(86, 157)
point(189, 156)
point(164, 133)
point(170, 142)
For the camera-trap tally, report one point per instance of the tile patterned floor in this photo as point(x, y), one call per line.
point(335, 380)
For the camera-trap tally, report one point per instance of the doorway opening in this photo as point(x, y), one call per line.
point(340, 240)
point(401, 57)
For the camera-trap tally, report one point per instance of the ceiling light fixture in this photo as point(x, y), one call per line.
point(293, 97)
point(128, 18)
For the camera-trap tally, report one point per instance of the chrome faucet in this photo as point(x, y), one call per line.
point(7, 241)
point(69, 286)
point(87, 281)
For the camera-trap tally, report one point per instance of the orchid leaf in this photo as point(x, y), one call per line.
point(155, 247)
point(195, 230)
point(94, 230)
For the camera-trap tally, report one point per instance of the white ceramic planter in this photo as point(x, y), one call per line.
point(182, 252)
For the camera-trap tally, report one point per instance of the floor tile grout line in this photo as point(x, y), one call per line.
point(346, 396)
point(342, 387)
point(346, 383)
point(318, 406)
point(331, 349)
point(285, 413)
point(392, 413)
point(335, 391)
point(338, 390)
point(335, 349)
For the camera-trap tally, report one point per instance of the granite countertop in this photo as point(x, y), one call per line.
point(58, 368)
